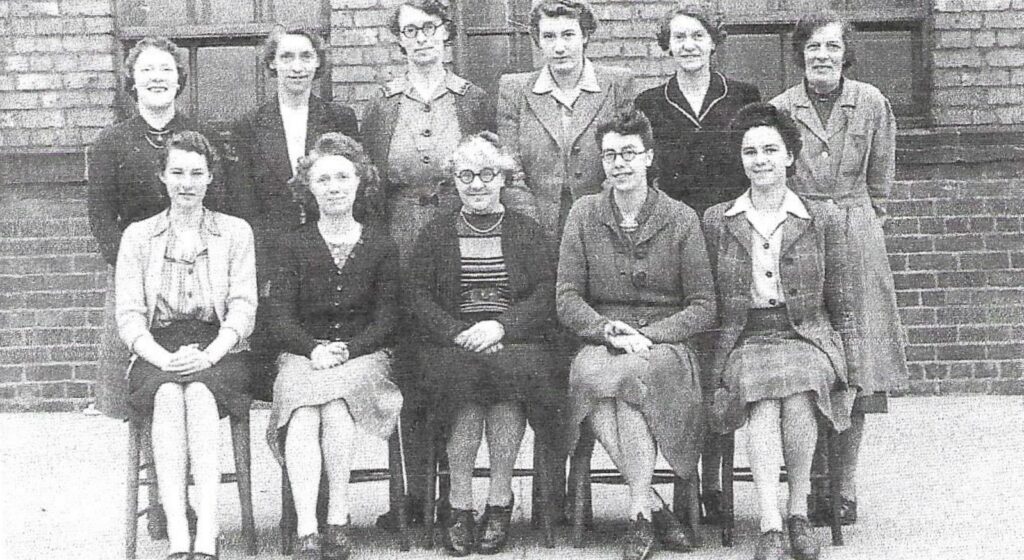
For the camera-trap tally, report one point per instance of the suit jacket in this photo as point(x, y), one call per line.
point(232, 272)
point(529, 124)
point(852, 160)
point(259, 179)
point(814, 275)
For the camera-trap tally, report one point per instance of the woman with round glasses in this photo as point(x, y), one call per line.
point(634, 284)
point(481, 287)
point(409, 131)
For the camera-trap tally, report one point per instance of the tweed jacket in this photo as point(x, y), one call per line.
point(232, 272)
point(259, 179)
point(435, 273)
point(660, 284)
point(696, 156)
point(813, 273)
point(852, 158)
point(529, 123)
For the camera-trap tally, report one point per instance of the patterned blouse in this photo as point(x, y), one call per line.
point(185, 292)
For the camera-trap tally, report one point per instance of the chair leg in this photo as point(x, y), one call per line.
point(396, 489)
point(579, 476)
point(543, 481)
point(728, 446)
point(835, 498)
point(240, 445)
point(131, 512)
point(156, 520)
point(289, 521)
point(429, 500)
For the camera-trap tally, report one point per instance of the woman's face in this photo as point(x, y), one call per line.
point(296, 63)
point(422, 48)
point(334, 181)
point(625, 175)
point(765, 157)
point(562, 42)
point(156, 78)
point(824, 53)
point(186, 176)
point(479, 196)
point(690, 44)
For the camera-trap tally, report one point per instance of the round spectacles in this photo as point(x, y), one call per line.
point(629, 154)
point(486, 175)
point(428, 30)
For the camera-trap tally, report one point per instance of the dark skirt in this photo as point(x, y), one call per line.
point(228, 379)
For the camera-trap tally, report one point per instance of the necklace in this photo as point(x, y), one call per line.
point(157, 138)
point(501, 218)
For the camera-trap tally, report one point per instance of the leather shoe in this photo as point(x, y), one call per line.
point(671, 532)
point(639, 543)
point(309, 547)
point(459, 533)
point(178, 556)
point(388, 521)
point(495, 524)
point(820, 515)
point(769, 546)
point(336, 543)
point(802, 543)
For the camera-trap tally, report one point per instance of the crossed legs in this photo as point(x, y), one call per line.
point(619, 425)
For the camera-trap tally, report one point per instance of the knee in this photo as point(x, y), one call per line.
point(304, 417)
point(336, 414)
point(169, 396)
point(196, 391)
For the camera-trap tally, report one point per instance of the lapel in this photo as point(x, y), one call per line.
point(741, 229)
point(804, 112)
point(316, 123)
point(586, 107)
point(545, 108)
point(844, 107)
point(655, 222)
point(273, 144)
point(792, 229)
point(390, 122)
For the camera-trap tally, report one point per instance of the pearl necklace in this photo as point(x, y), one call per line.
point(482, 231)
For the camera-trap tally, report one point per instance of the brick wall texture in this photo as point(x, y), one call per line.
point(956, 246)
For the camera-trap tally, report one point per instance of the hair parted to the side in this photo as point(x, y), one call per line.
point(437, 8)
point(626, 123)
point(270, 47)
point(338, 144)
point(759, 114)
point(579, 10)
point(711, 21)
point(811, 22)
point(482, 146)
point(190, 141)
point(160, 44)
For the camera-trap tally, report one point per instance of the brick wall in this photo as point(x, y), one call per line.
point(56, 72)
point(978, 62)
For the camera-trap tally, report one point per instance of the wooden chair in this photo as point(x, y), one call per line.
point(140, 459)
point(730, 474)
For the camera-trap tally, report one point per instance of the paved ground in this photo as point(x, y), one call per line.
point(942, 478)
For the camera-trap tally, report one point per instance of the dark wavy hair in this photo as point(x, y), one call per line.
point(625, 123)
point(809, 23)
point(190, 141)
point(578, 10)
point(337, 144)
point(438, 8)
point(160, 44)
point(712, 23)
point(758, 114)
point(274, 39)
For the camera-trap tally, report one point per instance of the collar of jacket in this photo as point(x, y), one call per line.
point(401, 84)
point(545, 82)
point(658, 214)
point(718, 89)
point(208, 223)
point(791, 204)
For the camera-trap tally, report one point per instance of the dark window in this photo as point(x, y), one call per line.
point(492, 38)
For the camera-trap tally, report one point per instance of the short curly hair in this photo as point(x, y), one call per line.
point(338, 144)
point(758, 114)
point(626, 123)
point(711, 21)
point(274, 39)
point(579, 10)
point(160, 44)
point(483, 144)
point(438, 8)
point(809, 23)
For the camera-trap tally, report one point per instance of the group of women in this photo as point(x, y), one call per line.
point(640, 266)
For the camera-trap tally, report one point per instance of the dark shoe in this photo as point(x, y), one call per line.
point(769, 546)
point(802, 543)
point(336, 544)
point(388, 521)
point(459, 533)
point(712, 502)
point(494, 528)
point(309, 547)
point(178, 556)
point(820, 515)
point(671, 532)
point(639, 542)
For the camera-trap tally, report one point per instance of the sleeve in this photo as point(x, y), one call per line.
point(346, 121)
point(385, 307)
point(517, 195)
point(240, 306)
point(627, 92)
point(882, 158)
point(283, 319)
point(839, 288)
point(533, 311)
point(130, 287)
point(440, 325)
point(103, 162)
point(699, 307)
point(241, 184)
point(508, 114)
point(571, 288)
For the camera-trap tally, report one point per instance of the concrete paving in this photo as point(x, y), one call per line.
point(941, 478)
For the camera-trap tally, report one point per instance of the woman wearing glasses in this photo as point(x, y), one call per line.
point(482, 290)
point(634, 284)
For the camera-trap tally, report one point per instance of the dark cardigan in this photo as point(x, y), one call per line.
point(311, 299)
point(697, 157)
point(435, 271)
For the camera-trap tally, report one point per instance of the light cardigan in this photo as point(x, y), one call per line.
point(232, 273)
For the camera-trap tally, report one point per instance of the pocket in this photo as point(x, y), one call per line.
point(854, 153)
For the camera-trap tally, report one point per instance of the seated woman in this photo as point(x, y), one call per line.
point(333, 305)
point(186, 303)
point(786, 328)
point(482, 287)
point(634, 284)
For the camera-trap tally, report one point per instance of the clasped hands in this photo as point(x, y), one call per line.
point(484, 337)
point(329, 354)
point(624, 337)
point(187, 360)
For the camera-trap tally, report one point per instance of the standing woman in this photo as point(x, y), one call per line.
point(186, 305)
point(124, 184)
point(849, 157)
point(333, 307)
point(409, 131)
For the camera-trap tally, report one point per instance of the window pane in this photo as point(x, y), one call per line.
point(756, 59)
point(228, 11)
point(227, 82)
point(885, 60)
point(152, 12)
point(305, 13)
point(485, 13)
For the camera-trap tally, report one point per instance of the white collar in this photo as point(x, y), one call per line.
point(791, 204)
point(588, 80)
